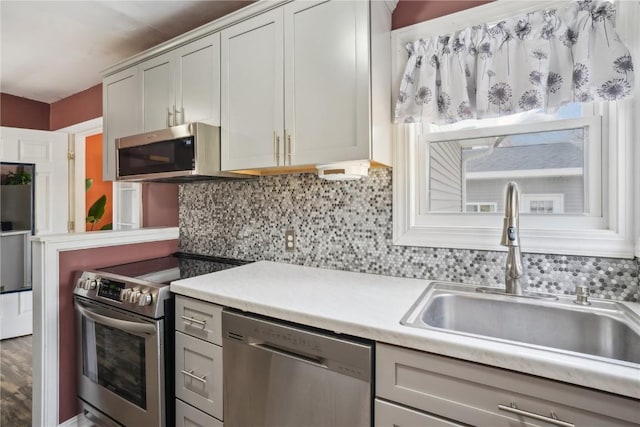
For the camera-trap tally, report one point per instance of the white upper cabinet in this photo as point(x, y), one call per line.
point(198, 81)
point(253, 93)
point(299, 84)
point(291, 84)
point(182, 85)
point(326, 81)
point(175, 87)
point(157, 92)
point(121, 108)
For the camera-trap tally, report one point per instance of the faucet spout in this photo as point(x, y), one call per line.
point(511, 239)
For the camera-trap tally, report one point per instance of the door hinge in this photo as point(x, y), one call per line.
point(71, 226)
point(71, 155)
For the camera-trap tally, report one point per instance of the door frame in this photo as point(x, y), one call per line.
point(77, 172)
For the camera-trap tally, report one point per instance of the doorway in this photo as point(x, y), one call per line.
point(125, 198)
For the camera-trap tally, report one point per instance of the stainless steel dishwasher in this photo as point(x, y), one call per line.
point(279, 375)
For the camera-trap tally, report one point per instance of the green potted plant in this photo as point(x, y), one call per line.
point(16, 192)
point(17, 178)
point(97, 209)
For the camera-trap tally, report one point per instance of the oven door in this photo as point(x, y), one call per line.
point(120, 359)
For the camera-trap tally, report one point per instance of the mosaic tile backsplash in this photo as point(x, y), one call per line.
point(347, 225)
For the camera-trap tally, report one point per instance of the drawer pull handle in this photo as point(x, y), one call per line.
point(191, 321)
point(190, 374)
point(553, 419)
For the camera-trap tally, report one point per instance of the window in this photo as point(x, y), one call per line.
point(465, 166)
point(574, 168)
point(481, 207)
point(542, 203)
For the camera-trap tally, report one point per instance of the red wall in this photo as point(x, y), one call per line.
point(160, 205)
point(78, 108)
point(70, 262)
point(409, 12)
point(17, 112)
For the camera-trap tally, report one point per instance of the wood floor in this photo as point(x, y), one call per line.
point(15, 382)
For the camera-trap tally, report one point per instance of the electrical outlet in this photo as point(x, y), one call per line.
point(289, 240)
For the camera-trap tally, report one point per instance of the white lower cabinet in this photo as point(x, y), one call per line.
point(188, 416)
point(391, 415)
point(199, 374)
point(198, 358)
point(479, 395)
point(199, 319)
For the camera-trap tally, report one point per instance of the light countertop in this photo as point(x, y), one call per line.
point(371, 306)
point(14, 233)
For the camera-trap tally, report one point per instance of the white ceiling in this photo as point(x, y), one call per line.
point(50, 50)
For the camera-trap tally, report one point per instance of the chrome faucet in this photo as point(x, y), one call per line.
point(511, 239)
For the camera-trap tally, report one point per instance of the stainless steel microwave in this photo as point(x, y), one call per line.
point(189, 152)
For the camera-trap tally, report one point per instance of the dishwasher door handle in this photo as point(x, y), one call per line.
point(289, 354)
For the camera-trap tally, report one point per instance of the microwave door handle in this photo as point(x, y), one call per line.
point(124, 325)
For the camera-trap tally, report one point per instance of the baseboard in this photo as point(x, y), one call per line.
point(77, 421)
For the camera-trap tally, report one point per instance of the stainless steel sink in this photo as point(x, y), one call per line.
point(605, 329)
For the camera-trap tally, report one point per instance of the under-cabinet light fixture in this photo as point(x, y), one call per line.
point(343, 171)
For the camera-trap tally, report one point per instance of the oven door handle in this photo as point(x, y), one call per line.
point(124, 325)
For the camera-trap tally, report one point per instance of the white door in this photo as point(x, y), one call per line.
point(48, 150)
point(158, 93)
point(198, 81)
point(326, 81)
point(252, 92)
point(16, 314)
point(121, 109)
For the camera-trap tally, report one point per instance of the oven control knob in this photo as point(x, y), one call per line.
point(92, 284)
point(124, 294)
point(134, 295)
point(145, 299)
point(81, 283)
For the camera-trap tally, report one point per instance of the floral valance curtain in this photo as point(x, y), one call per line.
point(543, 59)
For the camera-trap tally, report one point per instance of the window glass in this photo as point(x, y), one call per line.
point(115, 360)
point(472, 173)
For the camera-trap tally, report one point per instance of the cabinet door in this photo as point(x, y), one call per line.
point(480, 395)
point(252, 92)
point(157, 93)
point(388, 414)
point(326, 81)
point(188, 416)
point(198, 318)
point(121, 111)
point(198, 81)
point(199, 374)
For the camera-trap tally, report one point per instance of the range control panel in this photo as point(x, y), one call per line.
point(141, 297)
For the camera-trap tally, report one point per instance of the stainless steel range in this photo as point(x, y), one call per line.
point(124, 321)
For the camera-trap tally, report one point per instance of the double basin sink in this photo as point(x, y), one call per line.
point(604, 329)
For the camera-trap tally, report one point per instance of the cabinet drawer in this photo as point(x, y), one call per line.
point(199, 374)
point(470, 393)
point(390, 415)
point(199, 319)
point(188, 416)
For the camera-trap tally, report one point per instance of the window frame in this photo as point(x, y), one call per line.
point(592, 168)
point(614, 233)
